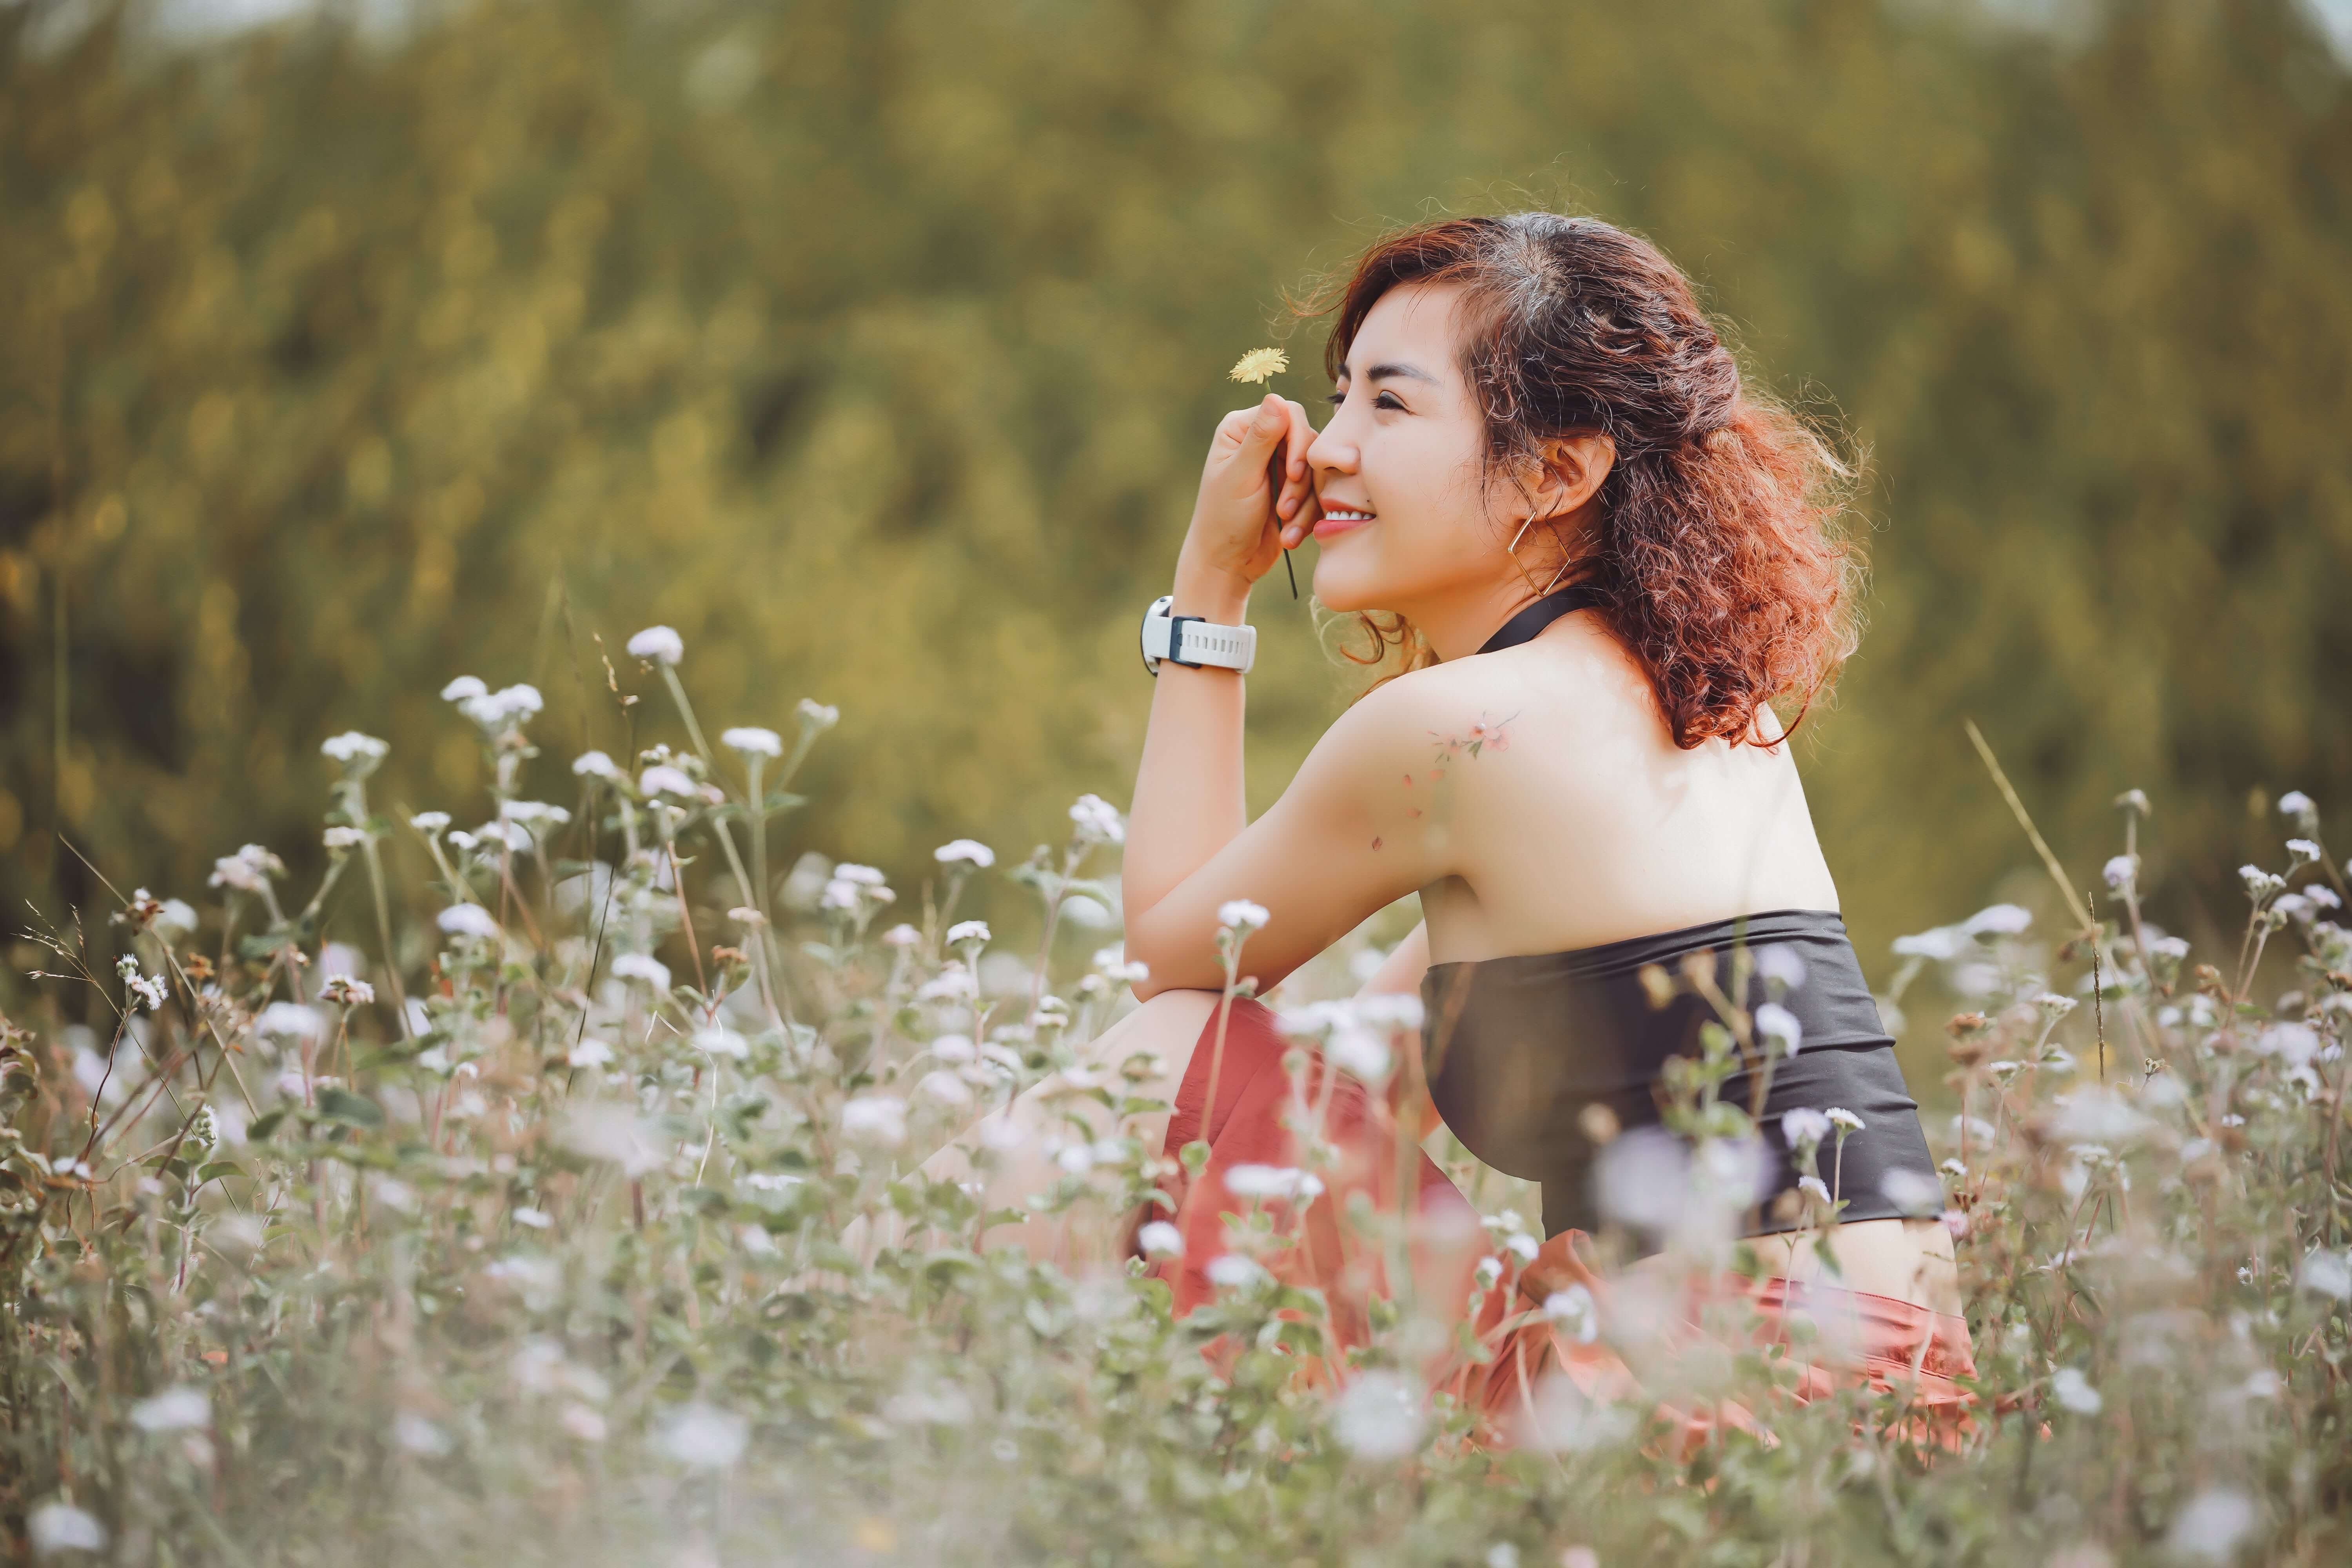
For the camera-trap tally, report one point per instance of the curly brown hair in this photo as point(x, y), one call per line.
point(1715, 541)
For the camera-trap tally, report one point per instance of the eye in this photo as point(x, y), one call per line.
point(1336, 399)
point(1388, 400)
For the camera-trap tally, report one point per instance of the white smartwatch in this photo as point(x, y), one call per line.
point(1189, 640)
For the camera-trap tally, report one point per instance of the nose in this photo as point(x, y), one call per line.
point(1333, 450)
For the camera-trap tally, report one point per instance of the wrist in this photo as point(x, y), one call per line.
point(1218, 596)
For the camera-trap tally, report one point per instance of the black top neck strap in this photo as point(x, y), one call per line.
point(1523, 627)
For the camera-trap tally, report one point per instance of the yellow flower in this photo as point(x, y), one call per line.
point(1261, 365)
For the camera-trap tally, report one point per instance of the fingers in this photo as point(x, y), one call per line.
point(1268, 423)
point(1294, 479)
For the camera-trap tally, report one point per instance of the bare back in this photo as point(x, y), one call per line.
point(1578, 821)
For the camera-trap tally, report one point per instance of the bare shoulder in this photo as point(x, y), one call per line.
point(1472, 706)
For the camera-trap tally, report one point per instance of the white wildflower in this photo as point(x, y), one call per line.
point(1843, 1119)
point(945, 1086)
point(343, 840)
point(499, 710)
point(464, 689)
point(642, 966)
point(1381, 1416)
point(817, 717)
point(1779, 1027)
point(2299, 805)
point(2122, 871)
point(348, 991)
point(359, 754)
point(2302, 851)
point(248, 870)
point(1804, 1125)
point(174, 918)
point(968, 931)
point(1116, 966)
point(429, 823)
point(751, 740)
point(1272, 1181)
point(1160, 1239)
point(595, 765)
point(881, 1118)
point(1814, 1187)
point(1361, 1052)
point(1781, 964)
point(176, 1409)
point(583, 1422)
point(1390, 1010)
point(513, 836)
point(901, 935)
point(718, 1040)
point(138, 985)
point(2055, 1007)
point(1098, 821)
point(2074, 1392)
point(2212, 1525)
point(470, 921)
point(1241, 915)
point(1998, 920)
point(591, 1052)
point(2259, 884)
point(703, 1436)
point(1939, 945)
point(953, 984)
point(2326, 1273)
point(57, 1526)
point(612, 1132)
point(965, 851)
point(657, 645)
point(955, 1048)
point(1234, 1271)
point(664, 779)
point(1916, 1196)
point(419, 1436)
point(290, 1020)
point(864, 876)
point(1576, 1314)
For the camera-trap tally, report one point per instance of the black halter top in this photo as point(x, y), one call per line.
point(1517, 1047)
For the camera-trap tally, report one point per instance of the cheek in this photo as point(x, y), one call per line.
point(1433, 496)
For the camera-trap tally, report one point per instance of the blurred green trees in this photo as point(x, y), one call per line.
point(873, 343)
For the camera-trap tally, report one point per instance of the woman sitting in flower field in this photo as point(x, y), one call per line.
point(1630, 946)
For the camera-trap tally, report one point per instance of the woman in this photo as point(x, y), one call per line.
point(1605, 561)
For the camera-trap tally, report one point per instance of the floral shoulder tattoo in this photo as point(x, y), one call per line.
point(1484, 733)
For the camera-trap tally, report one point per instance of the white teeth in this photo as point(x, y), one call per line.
point(1341, 514)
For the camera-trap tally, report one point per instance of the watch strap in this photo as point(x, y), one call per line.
point(1194, 642)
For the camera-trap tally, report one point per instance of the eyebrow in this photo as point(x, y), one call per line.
point(1387, 372)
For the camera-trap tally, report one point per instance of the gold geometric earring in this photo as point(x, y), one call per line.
point(1512, 548)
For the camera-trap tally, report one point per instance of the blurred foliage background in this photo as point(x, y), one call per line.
point(874, 345)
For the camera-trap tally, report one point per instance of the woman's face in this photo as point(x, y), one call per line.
point(1399, 472)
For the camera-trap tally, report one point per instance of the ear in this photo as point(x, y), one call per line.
point(1574, 468)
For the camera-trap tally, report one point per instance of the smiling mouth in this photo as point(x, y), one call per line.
point(1339, 519)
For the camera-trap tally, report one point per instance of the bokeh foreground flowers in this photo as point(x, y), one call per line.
point(545, 1250)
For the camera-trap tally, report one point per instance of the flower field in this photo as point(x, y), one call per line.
point(535, 1252)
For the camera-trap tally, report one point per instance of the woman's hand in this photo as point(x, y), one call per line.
point(1257, 499)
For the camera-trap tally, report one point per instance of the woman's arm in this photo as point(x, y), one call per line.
point(1188, 801)
point(1351, 833)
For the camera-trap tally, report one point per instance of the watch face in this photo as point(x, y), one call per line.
point(1143, 634)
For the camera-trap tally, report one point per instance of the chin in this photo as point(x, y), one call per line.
point(1344, 586)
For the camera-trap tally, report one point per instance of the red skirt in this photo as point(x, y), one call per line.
point(1260, 1195)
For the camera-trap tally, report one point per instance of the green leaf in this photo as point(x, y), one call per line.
point(264, 1125)
point(353, 1109)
